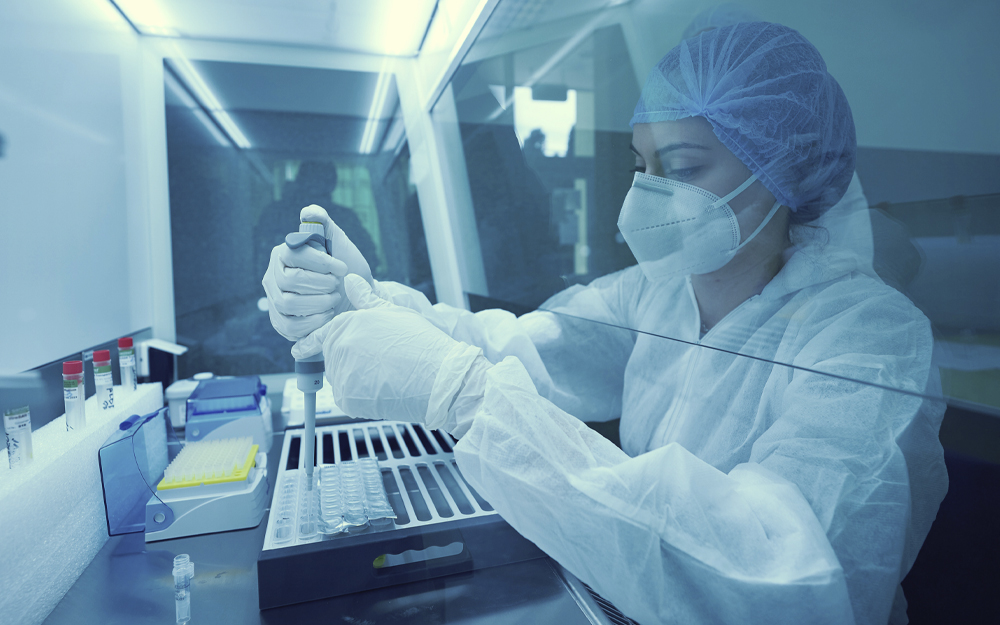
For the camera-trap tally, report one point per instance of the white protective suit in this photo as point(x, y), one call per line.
point(747, 491)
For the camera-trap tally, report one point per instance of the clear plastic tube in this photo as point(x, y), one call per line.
point(74, 395)
point(183, 572)
point(103, 381)
point(17, 426)
point(126, 363)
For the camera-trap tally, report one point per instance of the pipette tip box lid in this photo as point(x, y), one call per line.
point(141, 494)
point(131, 462)
point(229, 407)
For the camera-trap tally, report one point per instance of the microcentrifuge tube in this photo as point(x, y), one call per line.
point(17, 426)
point(74, 395)
point(103, 381)
point(126, 362)
point(183, 572)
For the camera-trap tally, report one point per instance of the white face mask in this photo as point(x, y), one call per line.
point(678, 229)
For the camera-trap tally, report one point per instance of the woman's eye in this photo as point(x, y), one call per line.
point(683, 175)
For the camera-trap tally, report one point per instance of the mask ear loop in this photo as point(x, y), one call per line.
point(740, 189)
point(774, 209)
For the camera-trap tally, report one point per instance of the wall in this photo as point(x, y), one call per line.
point(74, 218)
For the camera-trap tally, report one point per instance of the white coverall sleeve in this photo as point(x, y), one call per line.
point(665, 536)
point(577, 364)
point(815, 528)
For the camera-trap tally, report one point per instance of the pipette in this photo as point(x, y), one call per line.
point(309, 371)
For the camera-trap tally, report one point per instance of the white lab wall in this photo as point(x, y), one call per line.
point(919, 75)
point(74, 221)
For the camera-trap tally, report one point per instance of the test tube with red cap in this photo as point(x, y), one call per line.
point(126, 362)
point(103, 381)
point(74, 395)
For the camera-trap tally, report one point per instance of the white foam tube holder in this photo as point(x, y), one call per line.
point(52, 519)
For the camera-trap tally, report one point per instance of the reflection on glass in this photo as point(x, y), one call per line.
point(545, 143)
point(248, 147)
point(716, 280)
point(776, 389)
point(919, 221)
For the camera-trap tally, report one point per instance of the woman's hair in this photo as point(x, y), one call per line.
point(770, 100)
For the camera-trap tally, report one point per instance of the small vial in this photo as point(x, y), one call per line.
point(103, 381)
point(74, 395)
point(17, 426)
point(126, 362)
point(183, 572)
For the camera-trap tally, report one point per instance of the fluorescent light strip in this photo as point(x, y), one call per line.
point(375, 112)
point(190, 104)
point(395, 135)
point(212, 128)
point(209, 101)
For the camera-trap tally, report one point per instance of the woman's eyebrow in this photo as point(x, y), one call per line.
point(670, 148)
point(679, 146)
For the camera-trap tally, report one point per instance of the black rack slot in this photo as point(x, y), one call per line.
point(442, 440)
point(454, 488)
point(424, 439)
point(294, 448)
point(345, 447)
point(411, 444)
point(395, 497)
point(328, 449)
point(377, 445)
point(420, 508)
point(390, 436)
point(359, 443)
point(434, 491)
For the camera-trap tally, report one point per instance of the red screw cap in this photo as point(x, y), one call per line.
point(125, 343)
point(71, 367)
point(102, 355)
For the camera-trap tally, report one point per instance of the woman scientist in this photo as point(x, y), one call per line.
point(748, 491)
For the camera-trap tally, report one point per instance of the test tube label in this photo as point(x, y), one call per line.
point(105, 386)
point(126, 363)
point(71, 390)
point(17, 426)
point(126, 357)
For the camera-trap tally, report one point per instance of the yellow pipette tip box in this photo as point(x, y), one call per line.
point(210, 462)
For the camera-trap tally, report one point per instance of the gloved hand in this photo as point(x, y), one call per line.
point(341, 247)
point(387, 362)
point(303, 286)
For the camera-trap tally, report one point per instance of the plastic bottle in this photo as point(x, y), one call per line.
point(103, 381)
point(74, 394)
point(183, 572)
point(17, 426)
point(126, 362)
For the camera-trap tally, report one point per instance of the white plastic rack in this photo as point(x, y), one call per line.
point(442, 525)
point(418, 468)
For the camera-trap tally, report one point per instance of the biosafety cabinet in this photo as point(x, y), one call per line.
point(154, 152)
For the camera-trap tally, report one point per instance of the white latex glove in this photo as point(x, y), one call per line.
point(387, 362)
point(341, 247)
point(304, 287)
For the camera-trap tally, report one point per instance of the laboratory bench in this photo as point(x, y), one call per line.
point(130, 581)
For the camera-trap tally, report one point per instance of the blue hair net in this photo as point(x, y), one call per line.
point(766, 92)
point(725, 14)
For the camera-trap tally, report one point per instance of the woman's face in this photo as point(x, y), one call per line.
point(687, 150)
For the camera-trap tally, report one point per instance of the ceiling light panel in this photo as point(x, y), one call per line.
point(387, 27)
